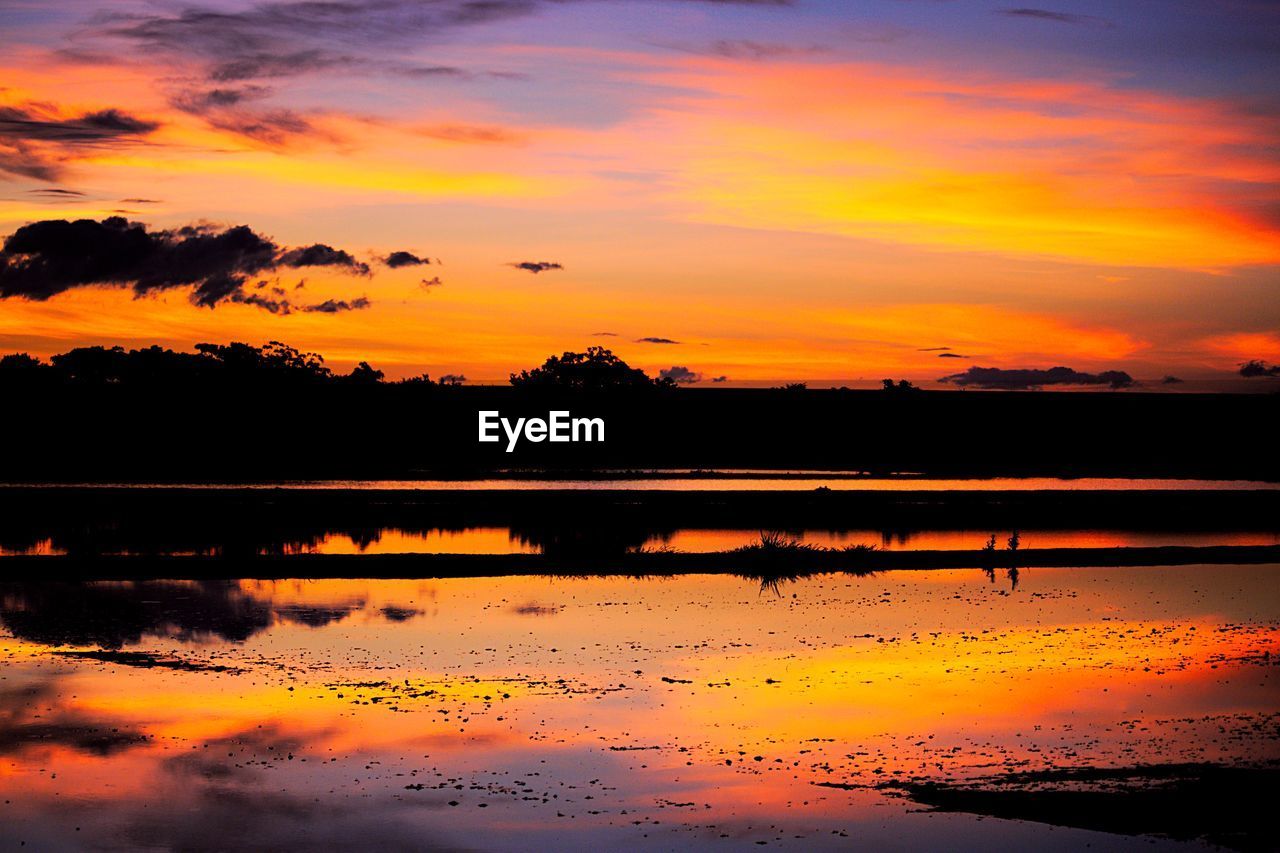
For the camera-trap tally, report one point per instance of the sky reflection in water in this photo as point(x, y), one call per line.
point(609, 711)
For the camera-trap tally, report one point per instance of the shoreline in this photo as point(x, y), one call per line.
point(443, 566)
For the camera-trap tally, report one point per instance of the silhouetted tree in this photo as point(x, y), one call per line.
point(234, 363)
point(21, 361)
point(274, 357)
point(1257, 367)
point(98, 365)
point(597, 369)
point(363, 374)
point(900, 385)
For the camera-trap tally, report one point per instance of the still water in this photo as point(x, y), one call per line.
point(613, 713)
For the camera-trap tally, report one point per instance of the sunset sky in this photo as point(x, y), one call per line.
point(763, 191)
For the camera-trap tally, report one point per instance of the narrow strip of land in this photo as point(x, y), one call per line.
point(783, 563)
point(233, 511)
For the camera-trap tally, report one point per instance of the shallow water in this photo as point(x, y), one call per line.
point(510, 713)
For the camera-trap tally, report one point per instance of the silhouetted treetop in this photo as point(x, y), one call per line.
point(274, 356)
point(235, 363)
point(1257, 367)
point(21, 361)
point(363, 374)
point(597, 369)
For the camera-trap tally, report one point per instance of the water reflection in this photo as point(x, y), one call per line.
point(589, 713)
point(115, 614)
point(574, 540)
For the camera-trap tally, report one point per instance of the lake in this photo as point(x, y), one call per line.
point(593, 713)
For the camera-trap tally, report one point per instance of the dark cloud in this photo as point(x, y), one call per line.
point(392, 613)
point(288, 38)
point(267, 65)
point(223, 794)
point(43, 259)
point(320, 255)
point(536, 266)
point(395, 260)
point(1171, 380)
point(951, 355)
point(452, 72)
point(35, 140)
point(467, 133)
point(200, 101)
point(718, 379)
point(57, 193)
point(144, 660)
point(428, 283)
point(270, 127)
point(933, 349)
point(751, 50)
point(76, 56)
point(32, 717)
point(275, 306)
point(315, 615)
point(335, 306)
point(533, 609)
point(656, 341)
point(604, 334)
point(34, 124)
point(1048, 15)
point(680, 375)
point(110, 616)
point(229, 108)
point(1258, 367)
point(234, 49)
point(1023, 379)
point(140, 201)
point(434, 71)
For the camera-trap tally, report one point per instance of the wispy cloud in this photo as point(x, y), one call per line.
point(36, 139)
point(1054, 17)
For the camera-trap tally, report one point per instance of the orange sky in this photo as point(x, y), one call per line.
point(802, 207)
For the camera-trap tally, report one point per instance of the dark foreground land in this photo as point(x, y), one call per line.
point(1226, 806)
point(226, 432)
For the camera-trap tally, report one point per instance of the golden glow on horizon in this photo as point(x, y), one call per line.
point(1080, 172)
point(992, 214)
